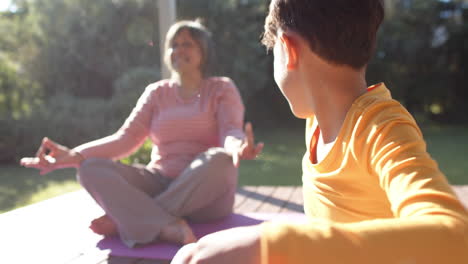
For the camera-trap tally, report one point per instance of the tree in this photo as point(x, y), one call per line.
point(418, 56)
point(86, 45)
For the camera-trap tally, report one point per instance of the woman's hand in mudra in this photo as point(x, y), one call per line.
point(52, 156)
point(247, 150)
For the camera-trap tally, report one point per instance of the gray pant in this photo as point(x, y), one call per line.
point(142, 202)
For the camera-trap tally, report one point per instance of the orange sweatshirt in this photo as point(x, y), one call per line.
point(376, 198)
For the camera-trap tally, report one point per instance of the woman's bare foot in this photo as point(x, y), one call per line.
point(178, 232)
point(103, 225)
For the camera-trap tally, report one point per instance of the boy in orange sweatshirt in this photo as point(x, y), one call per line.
point(371, 191)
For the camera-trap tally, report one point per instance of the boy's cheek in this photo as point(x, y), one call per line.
point(279, 69)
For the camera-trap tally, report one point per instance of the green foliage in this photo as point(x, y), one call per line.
point(18, 92)
point(73, 69)
point(17, 101)
point(67, 120)
point(421, 55)
point(8, 82)
point(128, 88)
point(141, 156)
point(72, 120)
point(86, 45)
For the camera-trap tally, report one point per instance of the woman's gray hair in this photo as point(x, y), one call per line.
point(201, 36)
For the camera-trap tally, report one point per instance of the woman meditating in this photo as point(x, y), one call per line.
point(195, 122)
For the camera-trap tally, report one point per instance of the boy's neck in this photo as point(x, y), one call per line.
point(333, 96)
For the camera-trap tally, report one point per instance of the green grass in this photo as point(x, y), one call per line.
point(279, 164)
point(449, 147)
point(21, 186)
point(280, 161)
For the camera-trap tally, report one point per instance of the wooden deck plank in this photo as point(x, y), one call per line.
point(242, 195)
point(277, 200)
point(256, 197)
point(51, 231)
point(295, 203)
point(94, 255)
point(43, 230)
point(98, 256)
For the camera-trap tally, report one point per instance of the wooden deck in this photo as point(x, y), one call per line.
point(55, 231)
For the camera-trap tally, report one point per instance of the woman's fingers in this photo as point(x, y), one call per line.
point(50, 146)
point(42, 165)
point(50, 156)
point(250, 152)
point(29, 162)
point(259, 148)
point(42, 160)
point(35, 163)
point(254, 151)
point(42, 150)
point(248, 149)
point(249, 134)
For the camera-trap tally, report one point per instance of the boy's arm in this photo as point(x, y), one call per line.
point(430, 224)
point(239, 245)
point(430, 239)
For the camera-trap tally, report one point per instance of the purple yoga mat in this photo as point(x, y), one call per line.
point(162, 250)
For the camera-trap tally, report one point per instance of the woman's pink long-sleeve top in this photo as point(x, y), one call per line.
point(179, 128)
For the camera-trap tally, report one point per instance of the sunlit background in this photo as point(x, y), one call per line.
point(73, 69)
point(6, 5)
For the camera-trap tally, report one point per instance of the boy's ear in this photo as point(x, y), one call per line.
point(290, 49)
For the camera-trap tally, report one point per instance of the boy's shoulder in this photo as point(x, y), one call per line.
point(377, 108)
point(378, 101)
point(375, 95)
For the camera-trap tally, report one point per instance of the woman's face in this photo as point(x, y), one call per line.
point(185, 53)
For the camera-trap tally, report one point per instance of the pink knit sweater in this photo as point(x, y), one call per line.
point(179, 128)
